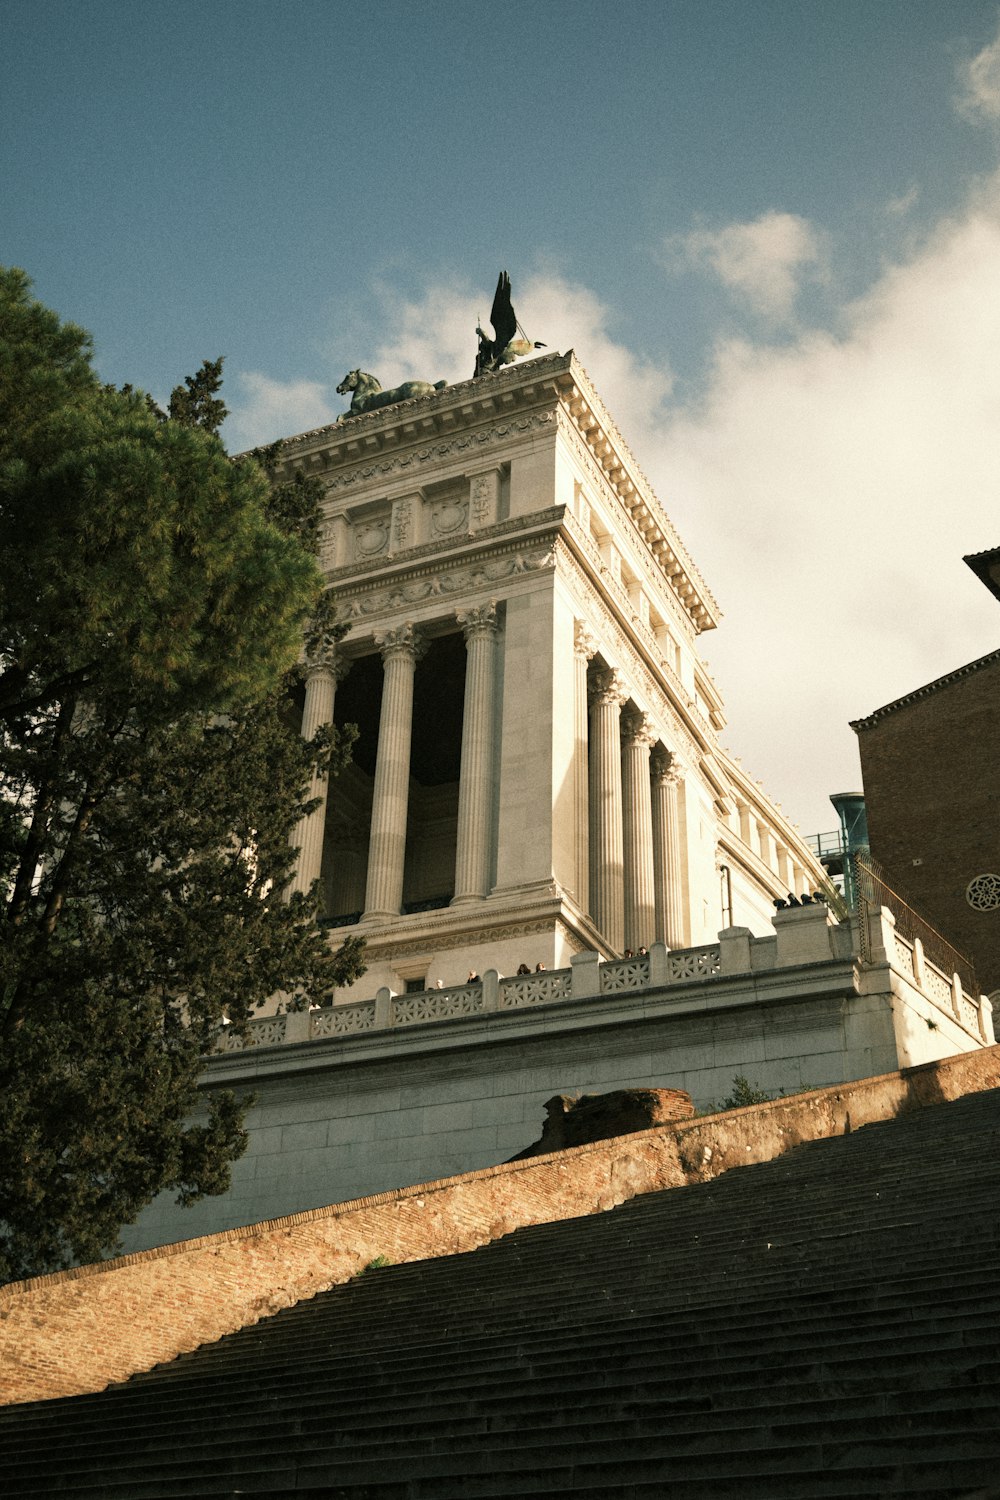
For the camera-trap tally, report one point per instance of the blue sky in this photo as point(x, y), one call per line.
point(770, 229)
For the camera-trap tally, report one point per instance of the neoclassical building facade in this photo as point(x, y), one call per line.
point(538, 769)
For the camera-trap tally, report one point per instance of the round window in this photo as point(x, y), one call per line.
point(983, 893)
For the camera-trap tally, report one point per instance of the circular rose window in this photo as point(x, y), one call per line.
point(983, 893)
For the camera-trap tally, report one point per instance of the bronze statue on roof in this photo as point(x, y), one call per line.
point(503, 348)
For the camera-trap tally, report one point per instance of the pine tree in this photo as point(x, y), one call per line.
point(152, 607)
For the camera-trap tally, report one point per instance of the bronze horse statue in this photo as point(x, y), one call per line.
point(368, 394)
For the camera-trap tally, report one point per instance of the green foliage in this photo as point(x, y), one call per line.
point(152, 604)
point(378, 1264)
point(743, 1093)
point(196, 402)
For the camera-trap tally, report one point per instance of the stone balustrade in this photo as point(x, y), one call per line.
point(802, 937)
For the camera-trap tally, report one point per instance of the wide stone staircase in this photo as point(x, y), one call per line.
point(826, 1324)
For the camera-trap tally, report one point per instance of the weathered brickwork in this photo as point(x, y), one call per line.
point(80, 1330)
point(932, 794)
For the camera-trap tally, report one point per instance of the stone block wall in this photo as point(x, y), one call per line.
point(80, 1330)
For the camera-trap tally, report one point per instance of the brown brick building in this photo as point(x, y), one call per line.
point(929, 762)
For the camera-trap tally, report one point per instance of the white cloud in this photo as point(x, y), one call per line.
point(268, 409)
point(900, 207)
point(979, 85)
point(762, 263)
point(829, 490)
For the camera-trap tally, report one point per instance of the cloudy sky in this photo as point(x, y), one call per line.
point(769, 228)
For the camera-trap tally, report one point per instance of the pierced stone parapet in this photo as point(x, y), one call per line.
point(693, 963)
point(437, 1005)
point(538, 989)
point(343, 1020)
point(269, 1032)
point(627, 974)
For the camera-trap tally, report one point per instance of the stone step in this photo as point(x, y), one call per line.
point(820, 1326)
point(813, 1469)
point(137, 1457)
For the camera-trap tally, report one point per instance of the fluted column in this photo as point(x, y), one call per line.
point(640, 909)
point(476, 777)
point(668, 876)
point(584, 648)
point(323, 672)
point(607, 902)
point(401, 649)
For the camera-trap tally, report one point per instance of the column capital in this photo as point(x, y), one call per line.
point(478, 621)
point(403, 640)
point(607, 687)
point(665, 767)
point(584, 641)
point(324, 657)
point(637, 729)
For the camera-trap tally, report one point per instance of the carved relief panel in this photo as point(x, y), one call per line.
point(370, 532)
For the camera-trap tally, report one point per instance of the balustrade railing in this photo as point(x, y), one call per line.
point(547, 987)
point(589, 979)
point(947, 993)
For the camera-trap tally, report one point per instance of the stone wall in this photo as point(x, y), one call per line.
point(80, 1330)
point(399, 1090)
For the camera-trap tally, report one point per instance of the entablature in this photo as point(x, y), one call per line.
point(393, 445)
point(394, 437)
point(639, 504)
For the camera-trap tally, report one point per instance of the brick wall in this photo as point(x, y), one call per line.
point(80, 1330)
point(932, 794)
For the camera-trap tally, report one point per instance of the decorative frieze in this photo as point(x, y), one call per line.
point(458, 580)
point(434, 453)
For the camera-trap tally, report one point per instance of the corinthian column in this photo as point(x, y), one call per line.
point(475, 787)
point(323, 672)
point(608, 693)
point(584, 648)
point(400, 650)
point(640, 911)
point(668, 876)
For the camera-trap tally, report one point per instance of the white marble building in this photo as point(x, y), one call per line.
point(538, 771)
point(538, 779)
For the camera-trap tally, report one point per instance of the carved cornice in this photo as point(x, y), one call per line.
point(600, 618)
point(345, 578)
point(386, 944)
point(614, 589)
point(589, 417)
point(474, 440)
point(467, 401)
point(672, 588)
point(444, 583)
